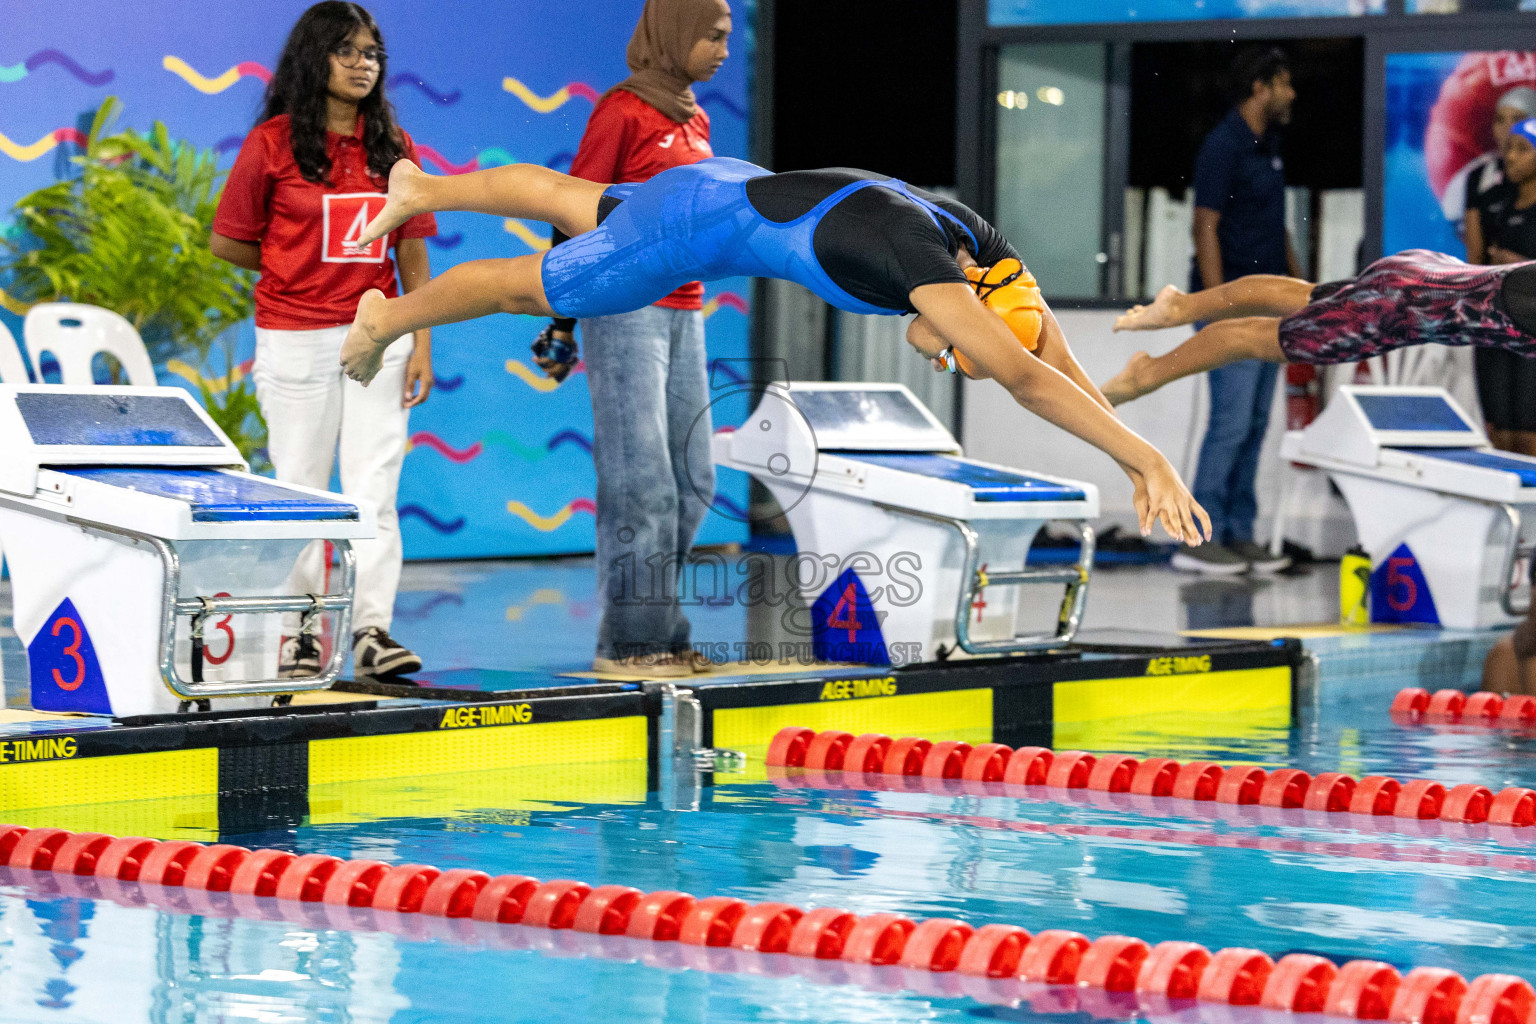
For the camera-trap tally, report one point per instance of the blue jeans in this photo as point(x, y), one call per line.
point(655, 477)
point(1241, 394)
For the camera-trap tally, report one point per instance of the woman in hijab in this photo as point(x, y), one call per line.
point(646, 369)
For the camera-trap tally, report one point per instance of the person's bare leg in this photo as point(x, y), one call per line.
point(474, 289)
point(515, 190)
point(1256, 337)
point(1254, 295)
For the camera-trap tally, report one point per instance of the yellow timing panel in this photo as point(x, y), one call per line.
point(952, 714)
point(467, 741)
point(185, 817)
point(71, 780)
point(1176, 686)
point(508, 796)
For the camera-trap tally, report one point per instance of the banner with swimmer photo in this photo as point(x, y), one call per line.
point(499, 461)
point(1440, 109)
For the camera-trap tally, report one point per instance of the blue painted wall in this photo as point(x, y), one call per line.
point(500, 461)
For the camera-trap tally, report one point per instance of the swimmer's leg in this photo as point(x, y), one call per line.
point(473, 289)
point(1254, 295)
point(1256, 337)
point(515, 190)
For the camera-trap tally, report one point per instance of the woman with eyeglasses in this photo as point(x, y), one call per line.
point(309, 177)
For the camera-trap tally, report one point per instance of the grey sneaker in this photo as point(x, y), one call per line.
point(375, 653)
point(1209, 559)
point(1259, 558)
point(298, 657)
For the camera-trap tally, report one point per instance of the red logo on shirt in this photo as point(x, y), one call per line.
point(345, 217)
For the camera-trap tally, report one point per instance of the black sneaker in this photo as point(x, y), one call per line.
point(298, 657)
point(1258, 556)
point(375, 653)
point(1209, 560)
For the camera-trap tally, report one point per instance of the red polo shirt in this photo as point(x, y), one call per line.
point(311, 276)
point(627, 140)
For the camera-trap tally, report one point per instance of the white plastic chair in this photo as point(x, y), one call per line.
point(75, 332)
point(12, 369)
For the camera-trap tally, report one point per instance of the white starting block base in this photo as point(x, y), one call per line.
point(63, 575)
point(1442, 515)
point(149, 570)
point(916, 553)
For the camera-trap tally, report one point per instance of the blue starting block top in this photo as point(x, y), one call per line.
point(218, 497)
point(988, 483)
point(1524, 469)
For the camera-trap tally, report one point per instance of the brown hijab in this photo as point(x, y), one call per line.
point(658, 53)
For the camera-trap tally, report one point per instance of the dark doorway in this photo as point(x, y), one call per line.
point(1179, 91)
point(866, 83)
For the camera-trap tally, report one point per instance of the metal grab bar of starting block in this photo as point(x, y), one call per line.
point(1514, 552)
point(174, 607)
point(1073, 602)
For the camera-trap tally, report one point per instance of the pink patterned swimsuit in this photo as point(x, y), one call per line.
point(1416, 297)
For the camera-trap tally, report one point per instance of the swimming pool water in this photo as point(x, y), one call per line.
point(1412, 894)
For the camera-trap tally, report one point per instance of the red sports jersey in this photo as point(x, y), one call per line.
point(627, 140)
point(311, 274)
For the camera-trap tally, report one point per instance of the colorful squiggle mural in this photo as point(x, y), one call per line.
point(30, 152)
point(548, 524)
point(442, 99)
point(443, 526)
point(202, 76)
point(11, 303)
point(499, 439)
point(213, 86)
point(198, 379)
point(16, 72)
point(555, 100)
point(528, 236)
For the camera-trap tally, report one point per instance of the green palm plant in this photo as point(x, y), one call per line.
point(130, 233)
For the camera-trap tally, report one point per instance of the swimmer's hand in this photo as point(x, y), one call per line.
point(554, 352)
point(1161, 497)
point(362, 354)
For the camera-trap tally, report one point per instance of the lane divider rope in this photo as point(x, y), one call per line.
point(1417, 706)
point(1297, 982)
point(876, 754)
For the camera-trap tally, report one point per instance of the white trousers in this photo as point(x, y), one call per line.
point(311, 409)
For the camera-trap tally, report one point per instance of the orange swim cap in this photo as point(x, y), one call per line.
point(1010, 291)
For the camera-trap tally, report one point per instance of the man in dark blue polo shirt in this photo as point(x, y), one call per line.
point(1240, 229)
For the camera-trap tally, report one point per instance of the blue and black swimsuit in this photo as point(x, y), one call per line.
point(858, 240)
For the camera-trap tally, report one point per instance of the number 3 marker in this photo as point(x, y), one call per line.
point(73, 650)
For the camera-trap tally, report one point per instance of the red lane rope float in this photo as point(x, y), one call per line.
point(1417, 706)
point(1330, 792)
point(1110, 965)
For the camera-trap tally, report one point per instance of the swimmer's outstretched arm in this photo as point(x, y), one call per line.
point(953, 312)
point(1230, 341)
point(1055, 351)
point(515, 190)
point(1254, 295)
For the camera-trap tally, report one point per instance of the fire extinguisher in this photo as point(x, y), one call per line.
point(1303, 395)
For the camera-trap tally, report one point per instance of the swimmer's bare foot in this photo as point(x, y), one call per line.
point(404, 201)
point(362, 354)
point(1159, 313)
point(1125, 386)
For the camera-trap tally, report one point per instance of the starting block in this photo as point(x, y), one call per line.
point(1442, 514)
point(148, 566)
point(926, 551)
